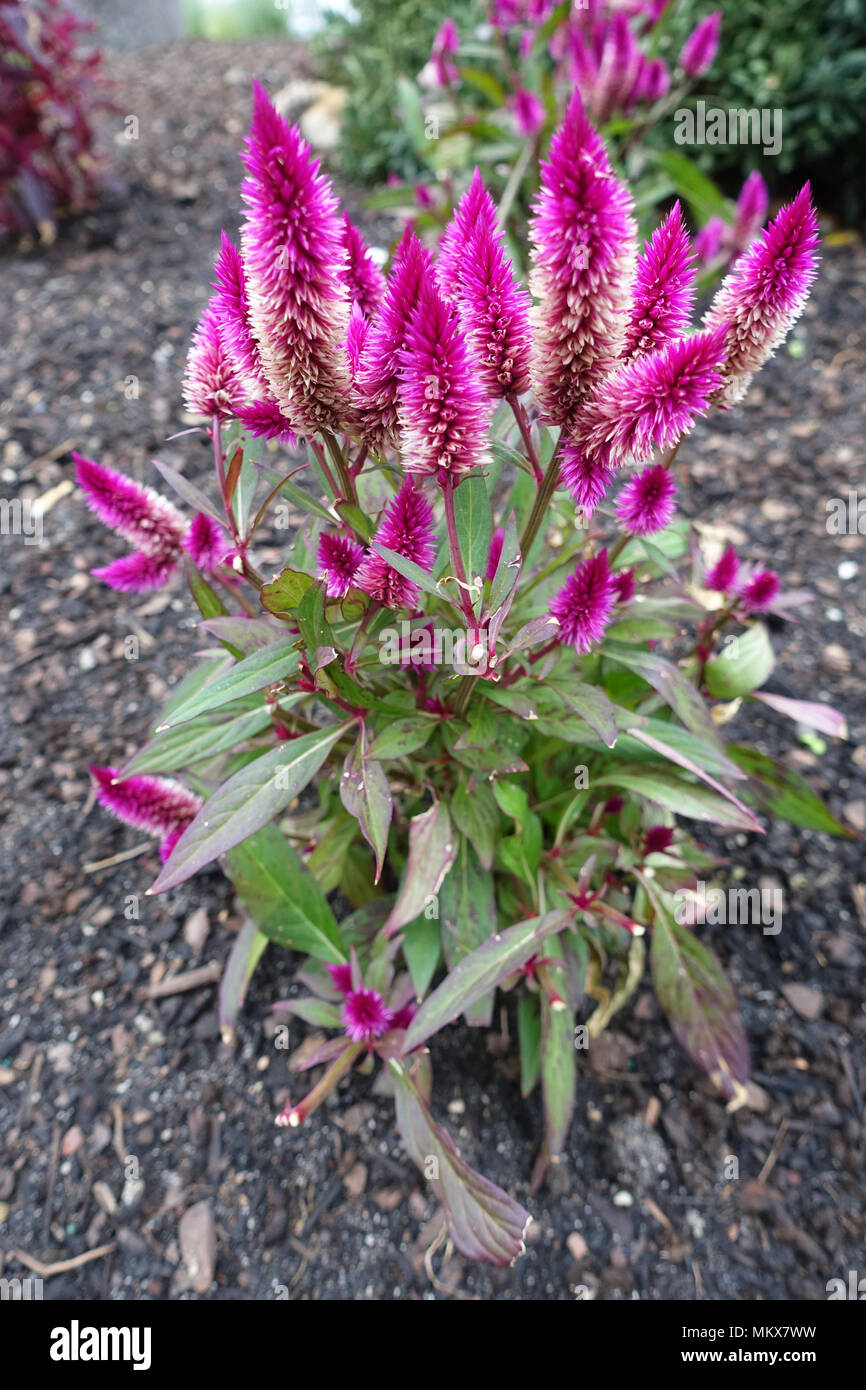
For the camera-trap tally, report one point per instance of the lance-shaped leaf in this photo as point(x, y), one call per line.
point(275, 662)
point(672, 684)
point(191, 743)
point(480, 972)
point(432, 850)
point(247, 634)
point(743, 664)
point(529, 1036)
point(824, 719)
point(558, 1064)
point(538, 630)
point(476, 814)
point(401, 737)
point(366, 795)
point(246, 952)
point(783, 792)
point(698, 1000)
point(467, 911)
point(483, 1221)
point(282, 897)
point(189, 492)
point(684, 798)
point(474, 524)
point(666, 750)
point(591, 704)
point(246, 802)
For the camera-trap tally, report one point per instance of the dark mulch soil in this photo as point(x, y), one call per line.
point(119, 1113)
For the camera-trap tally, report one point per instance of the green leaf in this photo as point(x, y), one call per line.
point(273, 663)
point(422, 948)
point(401, 737)
point(245, 954)
point(283, 898)
point(672, 684)
point(558, 1066)
point(246, 802)
point(409, 570)
point(189, 492)
point(683, 798)
point(483, 1221)
point(743, 664)
point(701, 194)
point(480, 972)
point(432, 851)
point(474, 525)
point(282, 596)
point(467, 911)
point(195, 741)
point(476, 816)
point(529, 1036)
point(590, 703)
point(207, 601)
point(783, 792)
point(698, 1001)
point(366, 795)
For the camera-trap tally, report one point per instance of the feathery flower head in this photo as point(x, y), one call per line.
point(765, 294)
point(585, 602)
point(446, 42)
point(475, 213)
point(264, 419)
point(652, 82)
point(342, 977)
point(648, 501)
point(657, 839)
point(752, 206)
point(206, 542)
point(494, 315)
point(407, 527)
point(496, 543)
point(339, 558)
point(708, 242)
point(158, 805)
point(443, 410)
point(233, 311)
point(700, 48)
point(294, 257)
point(366, 1015)
point(724, 573)
point(586, 475)
point(140, 516)
point(356, 336)
point(365, 281)
point(378, 376)
point(664, 291)
point(583, 263)
point(758, 594)
point(212, 384)
point(624, 583)
point(528, 112)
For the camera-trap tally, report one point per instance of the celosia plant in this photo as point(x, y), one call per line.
point(49, 88)
point(492, 650)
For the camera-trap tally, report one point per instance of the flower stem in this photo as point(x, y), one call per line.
point(347, 482)
point(296, 1114)
point(523, 425)
point(219, 465)
point(447, 485)
point(545, 492)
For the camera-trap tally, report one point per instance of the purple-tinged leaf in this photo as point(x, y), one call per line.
point(401, 737)
point(265, 667)
point(675, 756)
point(366, 795)
point(245, 954)
point(538, 630)
point(781, 791)
point(476, 815)
point(247, 634)
point(246, 802)
point(480, 972)
point(591, 704)
point(467, 913)
point(672, 684)
point(432, 850)
point(189, 492)
point(192, 743)
point(683, 798)
point(698, 1001)
point(483, 1221)
point(824, 719)
point(317, 1012)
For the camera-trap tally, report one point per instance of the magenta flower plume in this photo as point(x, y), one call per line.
point(264, 419)
point(158, 805)
point(443, 410)
point(528, 112)
point(341, 976)
point(212, 384)
point(475, 213)
point(752, 206)
point(624, 584)
point(708, 242)
point(378, 376)
point(356, 337)
point(765, 294)
point(647, 502)
point(702, 45)
point(758, 594)
point(664, 291)
point(364, 279)
point(585, 602)
point(294, 256)
point(446, 42)
point(407, 527)
point(583, 263)
point(724, 573)
point(658, 838)
point(140, 516)
point(339, 559)
point(653, 400)
point(206, 542)
point(233, 311)
point(586, 476)
point(366, 1015)
point(494, 315)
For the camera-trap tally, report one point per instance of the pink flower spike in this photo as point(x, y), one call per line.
point(264, 419)
point(378, 374)
point(356, 337)
point(496, 544)
point(446, 42)
point(134, 511)
point(365, 1015)
point(586, 476)
point(212, 385)
point(664, 292)
point(658, 838)
point(342, 977)
point(443, 411)
point(528, 111)
point(647, 502)
point(583, 257)
point(494, 316)
point(653, 400)
point(365, 281)
point(139, 572)
point(475, 213)
point(339, 559)
point(765, 294)
point(585, 602)
point(700, 48)
point(758, 594)
point(294, 257)
point(233, 311)
point(752, 206)
point(206, 542)
point(158, 805)
point(408, 528)
point(624, 582)
point(708, 242)
point(722, 578)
